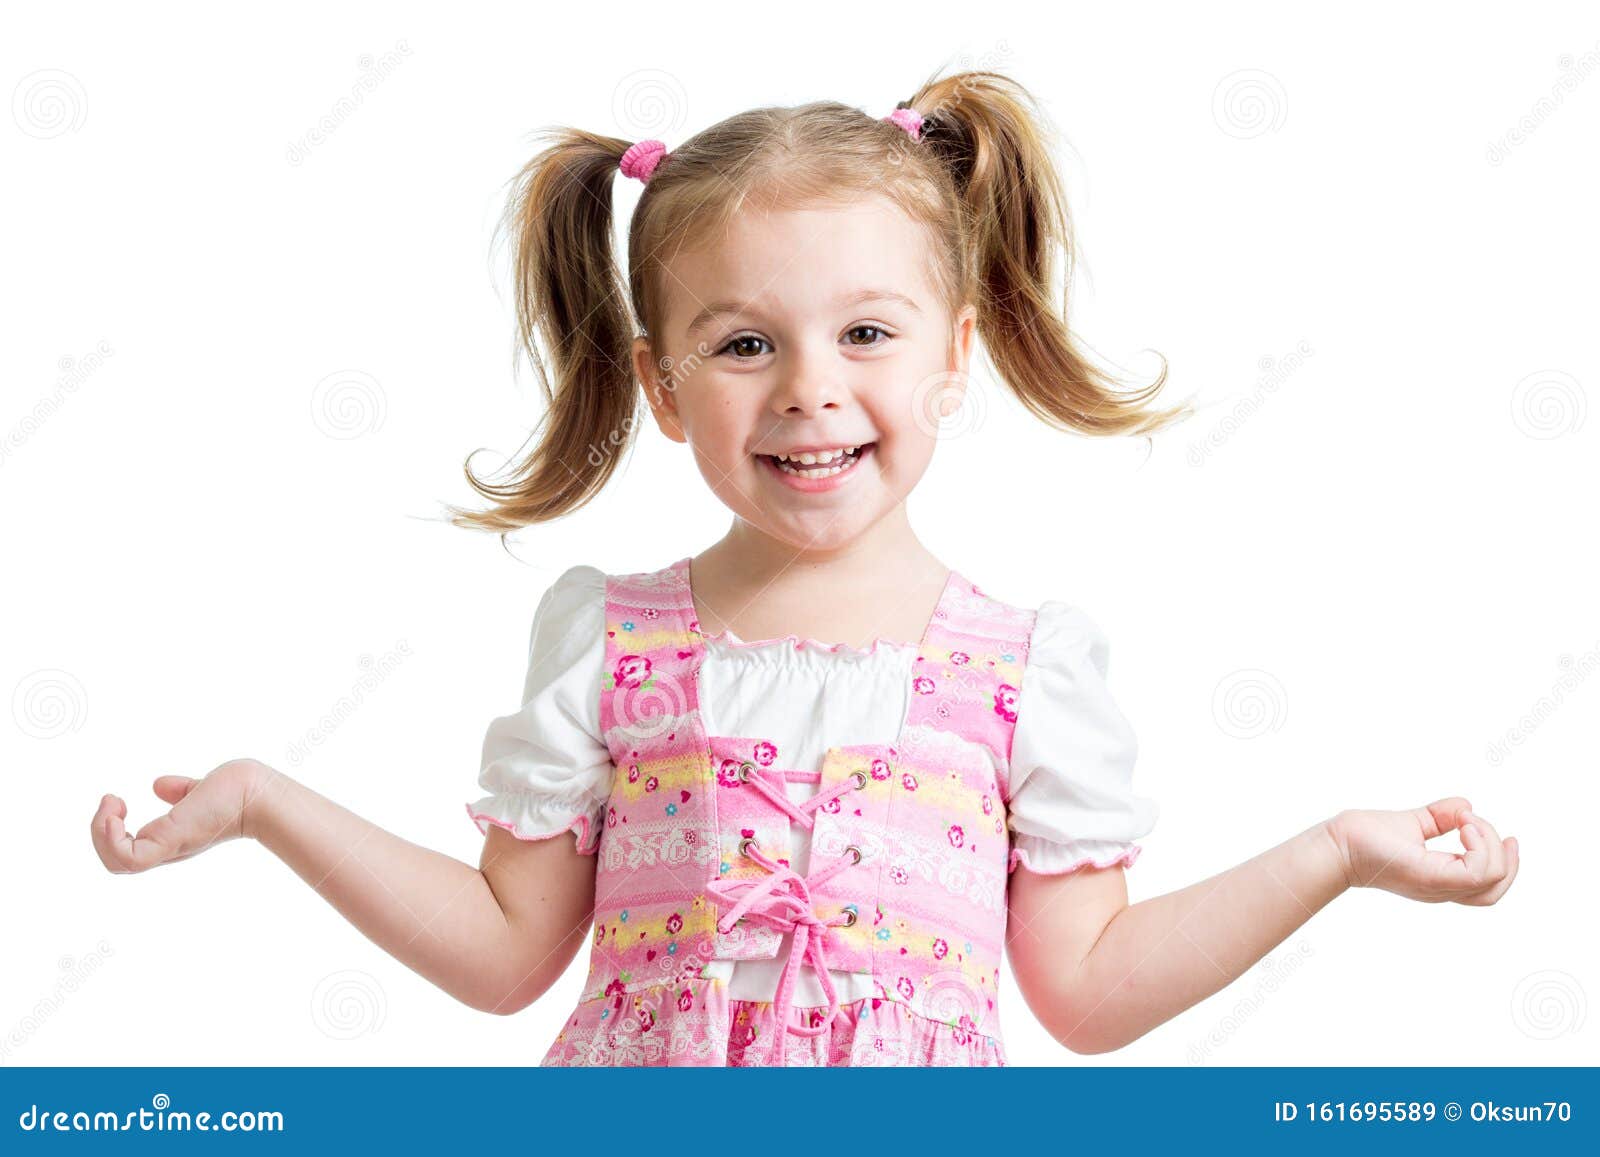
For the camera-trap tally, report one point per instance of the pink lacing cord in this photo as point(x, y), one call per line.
point(782, 901)
point(799, 814)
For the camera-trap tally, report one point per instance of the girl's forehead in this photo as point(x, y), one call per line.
point(794, 255)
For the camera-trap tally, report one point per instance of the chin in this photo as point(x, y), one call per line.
point(823, 535)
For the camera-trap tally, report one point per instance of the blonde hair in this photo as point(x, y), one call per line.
point(981, 179)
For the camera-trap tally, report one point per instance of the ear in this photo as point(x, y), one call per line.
point(660, 389)
point(963, 329)
point(962, 335)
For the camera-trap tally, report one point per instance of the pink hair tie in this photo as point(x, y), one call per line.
point(909, 119)
point(641, 160)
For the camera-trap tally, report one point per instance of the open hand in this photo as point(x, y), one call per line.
point(205, 812)
point(1384, 849)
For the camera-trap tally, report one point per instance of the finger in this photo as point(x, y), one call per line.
point(1445, 875)
point(115, 837)
point(1442, 815)
point(160, 840)
point(118, 845)
point(154, 843)
point(1493, 893)
point(1494, 844)
point(100, 831)
point(1475, 860)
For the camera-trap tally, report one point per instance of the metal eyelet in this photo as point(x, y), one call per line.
point(860, 777)
point(744, 846)
point(856, 850)
point(850, 912)
point(746, 770)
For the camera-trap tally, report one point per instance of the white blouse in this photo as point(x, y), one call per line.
point(1072, 755)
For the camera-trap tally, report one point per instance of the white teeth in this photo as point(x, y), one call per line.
point(812, 457)
point(845, 457)
point(787, 469)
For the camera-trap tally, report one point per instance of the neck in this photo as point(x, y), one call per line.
point(889, 546)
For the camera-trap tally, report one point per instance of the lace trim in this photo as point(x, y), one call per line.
point(729, 639)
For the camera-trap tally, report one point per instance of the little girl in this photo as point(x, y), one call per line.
point(788, 851)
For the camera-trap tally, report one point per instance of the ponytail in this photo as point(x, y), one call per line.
point(569, 299)
point(985, 131)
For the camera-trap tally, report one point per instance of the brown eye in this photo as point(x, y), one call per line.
point(872, 332)
point(745, 346)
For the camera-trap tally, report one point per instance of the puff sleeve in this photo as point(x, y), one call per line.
point(1072, 754)
point(545, 766)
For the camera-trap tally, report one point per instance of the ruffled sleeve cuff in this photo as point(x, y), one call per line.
point(1051, 858)
point(532, 817)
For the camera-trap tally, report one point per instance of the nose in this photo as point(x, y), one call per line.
point(808, 385)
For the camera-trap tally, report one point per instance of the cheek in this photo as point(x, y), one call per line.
point(719, 423)
point(913, 451)
point(938, 404)
point(905, 410)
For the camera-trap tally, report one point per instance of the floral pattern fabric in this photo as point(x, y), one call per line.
point(913, 833)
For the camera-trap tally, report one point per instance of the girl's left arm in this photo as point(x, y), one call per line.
point(1099, 973)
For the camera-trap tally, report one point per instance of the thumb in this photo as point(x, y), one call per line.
point(173, 788)
point(1442, 815)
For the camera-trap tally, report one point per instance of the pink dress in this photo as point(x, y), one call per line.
point(803, 857)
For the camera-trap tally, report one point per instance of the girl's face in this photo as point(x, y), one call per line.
point(817, 329)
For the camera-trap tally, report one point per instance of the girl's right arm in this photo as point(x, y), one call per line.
point(494, 937)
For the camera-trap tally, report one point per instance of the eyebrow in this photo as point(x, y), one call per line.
point(859, 297)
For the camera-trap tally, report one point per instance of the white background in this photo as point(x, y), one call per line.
point(1356, 570)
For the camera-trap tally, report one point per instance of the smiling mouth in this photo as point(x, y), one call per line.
point(835, 464)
